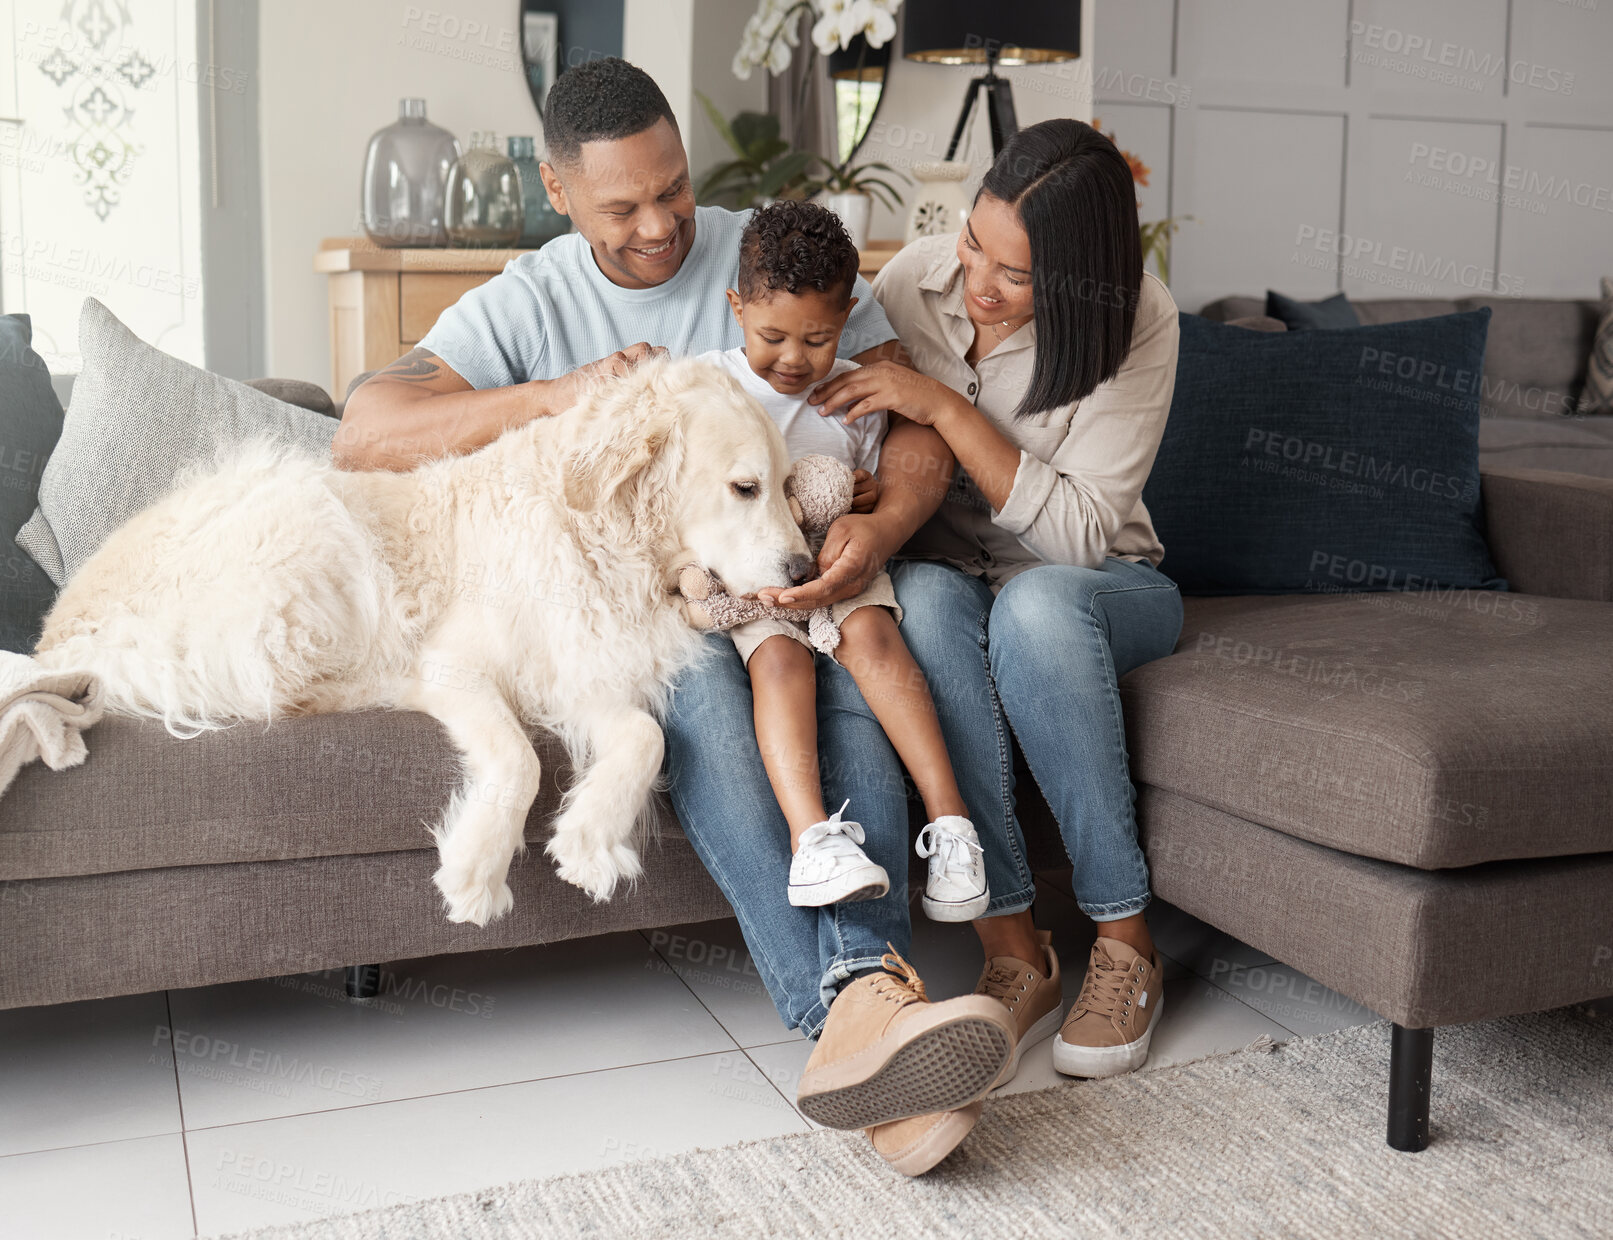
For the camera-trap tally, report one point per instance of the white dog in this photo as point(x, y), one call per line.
point(527, 583)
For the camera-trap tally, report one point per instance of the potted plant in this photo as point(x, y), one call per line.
point(1155, 234)
point(764, 166)
point(849, 191)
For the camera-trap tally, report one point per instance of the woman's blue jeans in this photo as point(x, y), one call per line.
point(1043, 658)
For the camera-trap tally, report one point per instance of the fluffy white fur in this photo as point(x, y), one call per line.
point(527, 583)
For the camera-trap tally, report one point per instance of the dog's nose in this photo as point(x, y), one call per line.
point(798, 566)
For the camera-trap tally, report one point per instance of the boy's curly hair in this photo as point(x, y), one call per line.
point(795, 246)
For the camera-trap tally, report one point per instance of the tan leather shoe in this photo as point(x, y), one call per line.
point(1108, 1030)
point(1033, 995)
point(915, 1145)
point(886, 1052)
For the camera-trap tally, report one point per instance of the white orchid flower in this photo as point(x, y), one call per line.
point(829, 33)
point(870, 19)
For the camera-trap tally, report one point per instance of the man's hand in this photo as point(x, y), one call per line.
point(854, 551)
point(864, 491)
point(574, 386)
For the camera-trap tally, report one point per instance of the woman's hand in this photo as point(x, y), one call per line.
point(854, 551)
point(864, 491)
point(886, 385)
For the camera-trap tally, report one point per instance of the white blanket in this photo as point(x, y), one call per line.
point(42, 713)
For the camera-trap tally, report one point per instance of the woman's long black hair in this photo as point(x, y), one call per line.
point(1075, 196)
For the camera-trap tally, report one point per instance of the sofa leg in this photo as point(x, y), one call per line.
point(363, 981)
point(1411, 1064)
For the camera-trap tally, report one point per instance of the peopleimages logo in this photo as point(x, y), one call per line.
point(1460, 65)
point(1350, 463)
point(1526, 183)
point(1363, 254)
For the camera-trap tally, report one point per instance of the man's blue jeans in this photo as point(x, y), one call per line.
point(727, 807)
point(1043, 657)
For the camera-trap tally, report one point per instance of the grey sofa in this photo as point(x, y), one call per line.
point(1534, 371)
point(1418, 816)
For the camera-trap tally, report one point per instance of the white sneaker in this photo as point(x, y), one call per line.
point(956, 890)
point(830, 867)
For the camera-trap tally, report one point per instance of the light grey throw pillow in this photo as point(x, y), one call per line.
point(137, 418)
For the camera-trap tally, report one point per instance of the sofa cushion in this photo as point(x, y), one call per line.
point(30, 424)
point(1419, 947)
point(137, 418)
point(1298, 461)
point(1598, 394)
point(1334, 311)
point(1535, 364)
point(1435, 729)
point(312, 786)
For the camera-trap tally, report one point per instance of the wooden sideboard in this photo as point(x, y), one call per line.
point(382, 302)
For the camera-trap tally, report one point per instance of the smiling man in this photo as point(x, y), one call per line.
point(648, 270)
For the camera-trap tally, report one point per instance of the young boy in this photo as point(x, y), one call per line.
point(796, 270)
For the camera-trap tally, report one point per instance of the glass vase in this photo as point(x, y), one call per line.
point(405, 178)
point(541, 222)
point(484, 196)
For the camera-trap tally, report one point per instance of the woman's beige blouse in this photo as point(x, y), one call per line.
point(1077, 496)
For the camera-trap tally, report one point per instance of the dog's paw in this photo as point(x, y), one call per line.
point(596, 870)
point(473, 900)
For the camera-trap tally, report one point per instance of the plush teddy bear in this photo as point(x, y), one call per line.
point(820, 489)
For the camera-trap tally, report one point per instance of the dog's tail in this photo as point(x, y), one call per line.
point(139, 679)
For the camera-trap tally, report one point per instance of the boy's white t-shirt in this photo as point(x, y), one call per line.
point(805, 429)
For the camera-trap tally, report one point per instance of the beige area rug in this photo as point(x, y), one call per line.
point(1284, 1143)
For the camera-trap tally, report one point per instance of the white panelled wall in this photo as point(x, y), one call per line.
point(1385, 148)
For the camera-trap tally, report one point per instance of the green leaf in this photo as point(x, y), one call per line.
point(783, 173)
point(874, 185)
point(722, 178)
point(761, 152)
point(751, 128)
point(720, 125)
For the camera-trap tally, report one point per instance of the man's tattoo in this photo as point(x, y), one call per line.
point(415, 366)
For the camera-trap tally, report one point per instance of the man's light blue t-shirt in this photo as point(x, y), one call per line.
point(552, 310)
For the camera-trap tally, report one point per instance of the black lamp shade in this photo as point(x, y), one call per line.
point(1020, 32)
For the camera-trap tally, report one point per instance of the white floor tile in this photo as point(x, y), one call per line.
point(256, 1050)
point(309, 1166)
point(74, 1073)
point(1200, 947)
point(713, 961)
point(781, 1065)
point(1293, 1000)
point(120, 1190)
point(1200, 1019)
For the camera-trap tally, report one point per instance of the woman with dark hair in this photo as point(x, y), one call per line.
point(1047, 360)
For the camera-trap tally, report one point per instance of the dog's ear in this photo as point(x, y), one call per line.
point(595, 471)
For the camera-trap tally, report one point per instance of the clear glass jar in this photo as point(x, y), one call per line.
point(405, 180)
point(484, 196)
point(542, 223)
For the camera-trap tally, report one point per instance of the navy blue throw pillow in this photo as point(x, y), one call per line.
point(1334, 311)
point(30, 425)
point(1324, 461)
